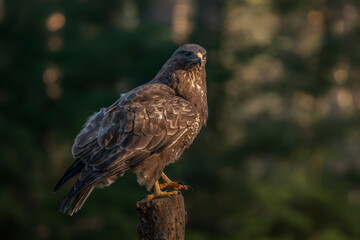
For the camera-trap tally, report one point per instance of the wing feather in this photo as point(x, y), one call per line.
point(142, 122)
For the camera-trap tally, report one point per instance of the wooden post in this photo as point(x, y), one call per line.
point(162, 218)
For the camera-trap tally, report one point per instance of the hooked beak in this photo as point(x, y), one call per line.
point(199, 59)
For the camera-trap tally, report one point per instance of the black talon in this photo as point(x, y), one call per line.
point(188, 186)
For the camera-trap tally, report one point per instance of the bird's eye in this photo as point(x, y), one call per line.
point(187, 54)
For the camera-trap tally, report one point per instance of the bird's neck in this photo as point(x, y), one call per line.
point(189, 84)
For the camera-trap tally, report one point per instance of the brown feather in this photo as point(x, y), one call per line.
point(144, 130)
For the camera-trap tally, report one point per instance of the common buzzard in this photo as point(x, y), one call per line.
point(146, 129)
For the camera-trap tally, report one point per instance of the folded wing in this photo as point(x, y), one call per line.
point(142, 122)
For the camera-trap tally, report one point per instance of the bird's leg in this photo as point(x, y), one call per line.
point(165, 178)
point(170, 184)
point(158, 193)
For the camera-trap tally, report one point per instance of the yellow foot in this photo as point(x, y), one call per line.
point(161, 194)
point(174, 186)
point(158, 193)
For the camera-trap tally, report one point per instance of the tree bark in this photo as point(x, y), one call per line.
point(162, 218)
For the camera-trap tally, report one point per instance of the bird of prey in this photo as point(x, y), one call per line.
point(146, 129)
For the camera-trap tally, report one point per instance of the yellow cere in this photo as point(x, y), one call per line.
point(199, 55)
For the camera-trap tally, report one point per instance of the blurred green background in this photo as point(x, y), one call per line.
point(279, 158)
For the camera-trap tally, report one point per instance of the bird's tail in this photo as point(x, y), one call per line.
point(79, 194)
point(73, 170)
point(82, 188)
point(78, 202)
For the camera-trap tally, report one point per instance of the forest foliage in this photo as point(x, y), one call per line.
point(279, 158)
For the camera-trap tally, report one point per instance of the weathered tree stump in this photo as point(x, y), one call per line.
point(162, 218)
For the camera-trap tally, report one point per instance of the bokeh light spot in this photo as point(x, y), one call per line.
point(338, 27)
point(55, 22)
point(53, 91)
point(51, 75)
point(315, 18)
point(341, 74)
point(344, 98)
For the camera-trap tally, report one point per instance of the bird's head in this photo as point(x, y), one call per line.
point(185, 73)
point(189, 56)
